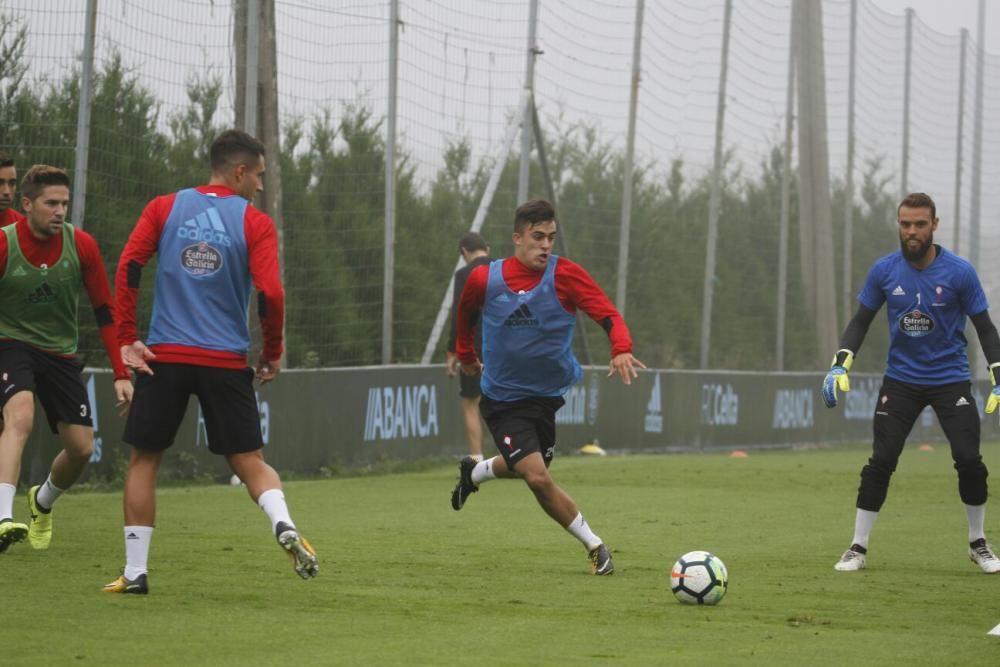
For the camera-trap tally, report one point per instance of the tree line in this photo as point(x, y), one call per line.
point(333, 180)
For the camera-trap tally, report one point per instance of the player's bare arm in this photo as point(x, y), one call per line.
point(624, 365)
point(267, 369)
point(123, 395)
point(451, 368)
point(472, 368)
point(136, 357)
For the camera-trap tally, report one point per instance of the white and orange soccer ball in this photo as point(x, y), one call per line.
point(699, 577)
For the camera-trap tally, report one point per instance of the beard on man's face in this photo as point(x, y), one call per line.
point(915, 253)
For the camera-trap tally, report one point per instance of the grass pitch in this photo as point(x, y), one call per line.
point(407, 581)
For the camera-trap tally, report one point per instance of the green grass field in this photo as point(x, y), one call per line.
point(407, 581)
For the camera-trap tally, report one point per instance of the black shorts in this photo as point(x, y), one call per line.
point(469, 385)
point(55, 380)
point(522, 427)
point(900, 405)
point(228, 404)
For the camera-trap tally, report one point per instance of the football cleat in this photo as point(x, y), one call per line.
point(137, 586)
point(10, 533)
point(300, 552)
point(982, 555)
point(465, 487)
point(40, 527)
point(852, 560)
point(600, 561)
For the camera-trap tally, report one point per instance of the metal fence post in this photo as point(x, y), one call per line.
point(625, 228)
point(849, 176)
point(715, 195)
point(907, 77)
point(79, 203)
point(977, 139)
point(956, 234)
point(529, 86)
point(786, 188)
point(389, 257)
point(250, 111)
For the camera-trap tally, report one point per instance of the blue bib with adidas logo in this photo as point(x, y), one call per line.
point(926, 311)
point(202, 290)
point(527, 339)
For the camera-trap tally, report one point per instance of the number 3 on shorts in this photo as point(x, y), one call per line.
point(83, 409)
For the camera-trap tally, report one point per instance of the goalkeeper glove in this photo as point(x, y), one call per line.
point(837, 377)
point(994, 400)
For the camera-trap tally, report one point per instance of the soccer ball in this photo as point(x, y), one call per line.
point(699, 577)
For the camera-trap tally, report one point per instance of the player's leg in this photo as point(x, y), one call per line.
point(473, 473)
point(560, 506)
point(18, 417)
point(897, 407)
point(470, 393)
point(139, 509)
point(17, 405)
point(956, 410)
point(473, 427)
point(529, 447)
point(232, 422)
point(67, 466)
point(158, 407)
point(64, 398)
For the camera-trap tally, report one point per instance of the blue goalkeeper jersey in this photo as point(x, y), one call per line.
point(926, 310)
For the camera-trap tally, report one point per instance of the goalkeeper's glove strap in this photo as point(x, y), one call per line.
point(845, 359)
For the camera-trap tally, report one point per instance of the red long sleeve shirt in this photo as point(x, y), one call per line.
point(262, 251)
point(10, 216)
point(574, 287)
point(95, 278)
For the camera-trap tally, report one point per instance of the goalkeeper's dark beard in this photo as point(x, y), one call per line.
point(919, 253)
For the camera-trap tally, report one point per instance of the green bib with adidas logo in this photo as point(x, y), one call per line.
point(38, 306)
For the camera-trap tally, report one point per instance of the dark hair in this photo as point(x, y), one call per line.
point(6, 160)
point(235, 147)
point(532, 213)
point(471, 242)
point(41, 176)
point(918, 200)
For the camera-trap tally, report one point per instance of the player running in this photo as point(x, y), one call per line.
point(44, 261)
point(213, 247)
point(528, 304)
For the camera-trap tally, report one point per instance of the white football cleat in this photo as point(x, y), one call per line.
point(852, 560)
point(982, 555)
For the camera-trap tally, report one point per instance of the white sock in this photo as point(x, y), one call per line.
point(582, 532)
point(48, 493)
point(977, 519)
point(483, 472)
point(137, 539)
point(864, 520)
point(272, 502)
point(7, 493)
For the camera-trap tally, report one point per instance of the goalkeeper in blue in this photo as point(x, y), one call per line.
point(928, 292)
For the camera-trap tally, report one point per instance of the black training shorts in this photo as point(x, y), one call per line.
point(55, 380)
point(522, 427)
point(469, 385)
point(226, 396)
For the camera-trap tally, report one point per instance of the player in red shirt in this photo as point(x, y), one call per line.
point(527, 304)
point(8, 185)
point(213, 247)
point(43, 261)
